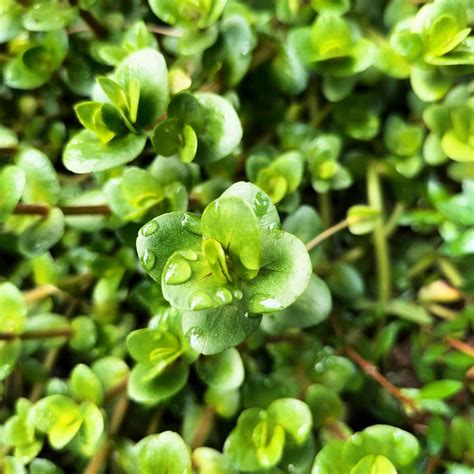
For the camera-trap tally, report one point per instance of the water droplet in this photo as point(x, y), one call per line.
point(149, 228)
point(178, 271)
point(224, 295)
point(148, 260)
point(238, 294)
point(191, 223)
point(260, 303)
point(190, 255)
point(201, 300)
point(260, 204)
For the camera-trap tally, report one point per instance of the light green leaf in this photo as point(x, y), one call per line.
point(163, 236)
point(85, 153)
point(164, 452)
point(429, 84)
point(224, 371)
point(85, 385)
point(409, 311)
point(148, 67)
point(215, 330)
point(42, 234)
point(362, 219)
point(48, 16)
point(440, 389)
point(233, 223)
point(283, 276)
point(12, 185)
point(13, 309)
point(371, 464)
point(294, 416)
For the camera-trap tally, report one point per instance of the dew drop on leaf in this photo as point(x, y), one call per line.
point(178, 272)
point(224, 295)
point(261, 303)
point(190, 255)
point(149, 260)
point(260, 204)
point(201, 300)
point(149, 228)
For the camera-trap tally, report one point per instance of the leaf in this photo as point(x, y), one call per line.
point(12, 185)
point(48, 16)
point(191, 13)
point(163, 236)
point(13, 309)
point(213, 119)
point(409, 311)
point(440, 389)
point(264, 209)
point(324, 403)
point(215, 330)
point(330, 37)
point(42, 234)
point(151, 391)
point(255, 443)
point(293, 416)
point(85, 385)
point(310, 308)
point(461, 245)
point(337, 7)
point(91, 429)
point(223, 371)
point(59, 417)
point(429, 84)
point(210, 461)
point(164, 452)
point(371, 464)
point(42, 183)
point(362, 219)
point(455, 148)
point(85, 153)
point(233, 223)
point(283, 276)
point(148, 68)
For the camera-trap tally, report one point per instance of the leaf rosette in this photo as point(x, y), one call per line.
point(227, 268)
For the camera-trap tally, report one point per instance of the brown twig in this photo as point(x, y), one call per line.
point(43, 210)
point(326, 234)
point(460, 345)
point(29, 335)
point(373, 372)
point(163, 30)
point(119, 388)
point(204, 426)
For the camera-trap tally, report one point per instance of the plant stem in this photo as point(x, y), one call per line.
point(204, 426)
point(43, 210)
point(48, 364)
point(324, 204)
point(163, 30)
point(28, 335)
point(327, 233)
point(374, 194)
point(461, 346)
point(40, 292)
point(392, 222)
point(373, 372)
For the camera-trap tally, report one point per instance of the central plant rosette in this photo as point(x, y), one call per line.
point(226, 268)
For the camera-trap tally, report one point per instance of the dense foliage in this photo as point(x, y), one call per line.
point(237, 236)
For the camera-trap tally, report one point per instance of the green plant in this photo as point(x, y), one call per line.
point(236, 236)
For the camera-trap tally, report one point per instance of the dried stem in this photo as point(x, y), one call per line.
point(43, 210)
point(373, 372)
point(326, 234)
point(28, 335)
point(204, 426)
point(461, 346)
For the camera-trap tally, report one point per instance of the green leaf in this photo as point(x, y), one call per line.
point(330, 37)
point(310, 308)
point(8, 138)
point(224, 371)
point(85, 153)
point(148, 68)
point(461, 245)
point(371, 464)
point(42, 234)
point(233, 223)
point(215, 330)
point(440, 389)
point(12, 185)
point(429, 84)
point(337, 7)
point(151, 391)
point(163, 236)
point(10, 351)
point(42, 183)
point(192, 13)
point(164, 452)
point(264, 209)
point(91, 429)
point(457, 149)
point(210, 461)
point(214, 121)
point(59, 417)
point(362, 219)
point(84, 333)
point(284, 274)
point(409, 311)
point(190, 283)
point(293, 416)
point(255, 443)
point(48, 16)
point(85, 385)
point(324, 403)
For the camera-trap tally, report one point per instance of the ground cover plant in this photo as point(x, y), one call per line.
point(237, 236)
